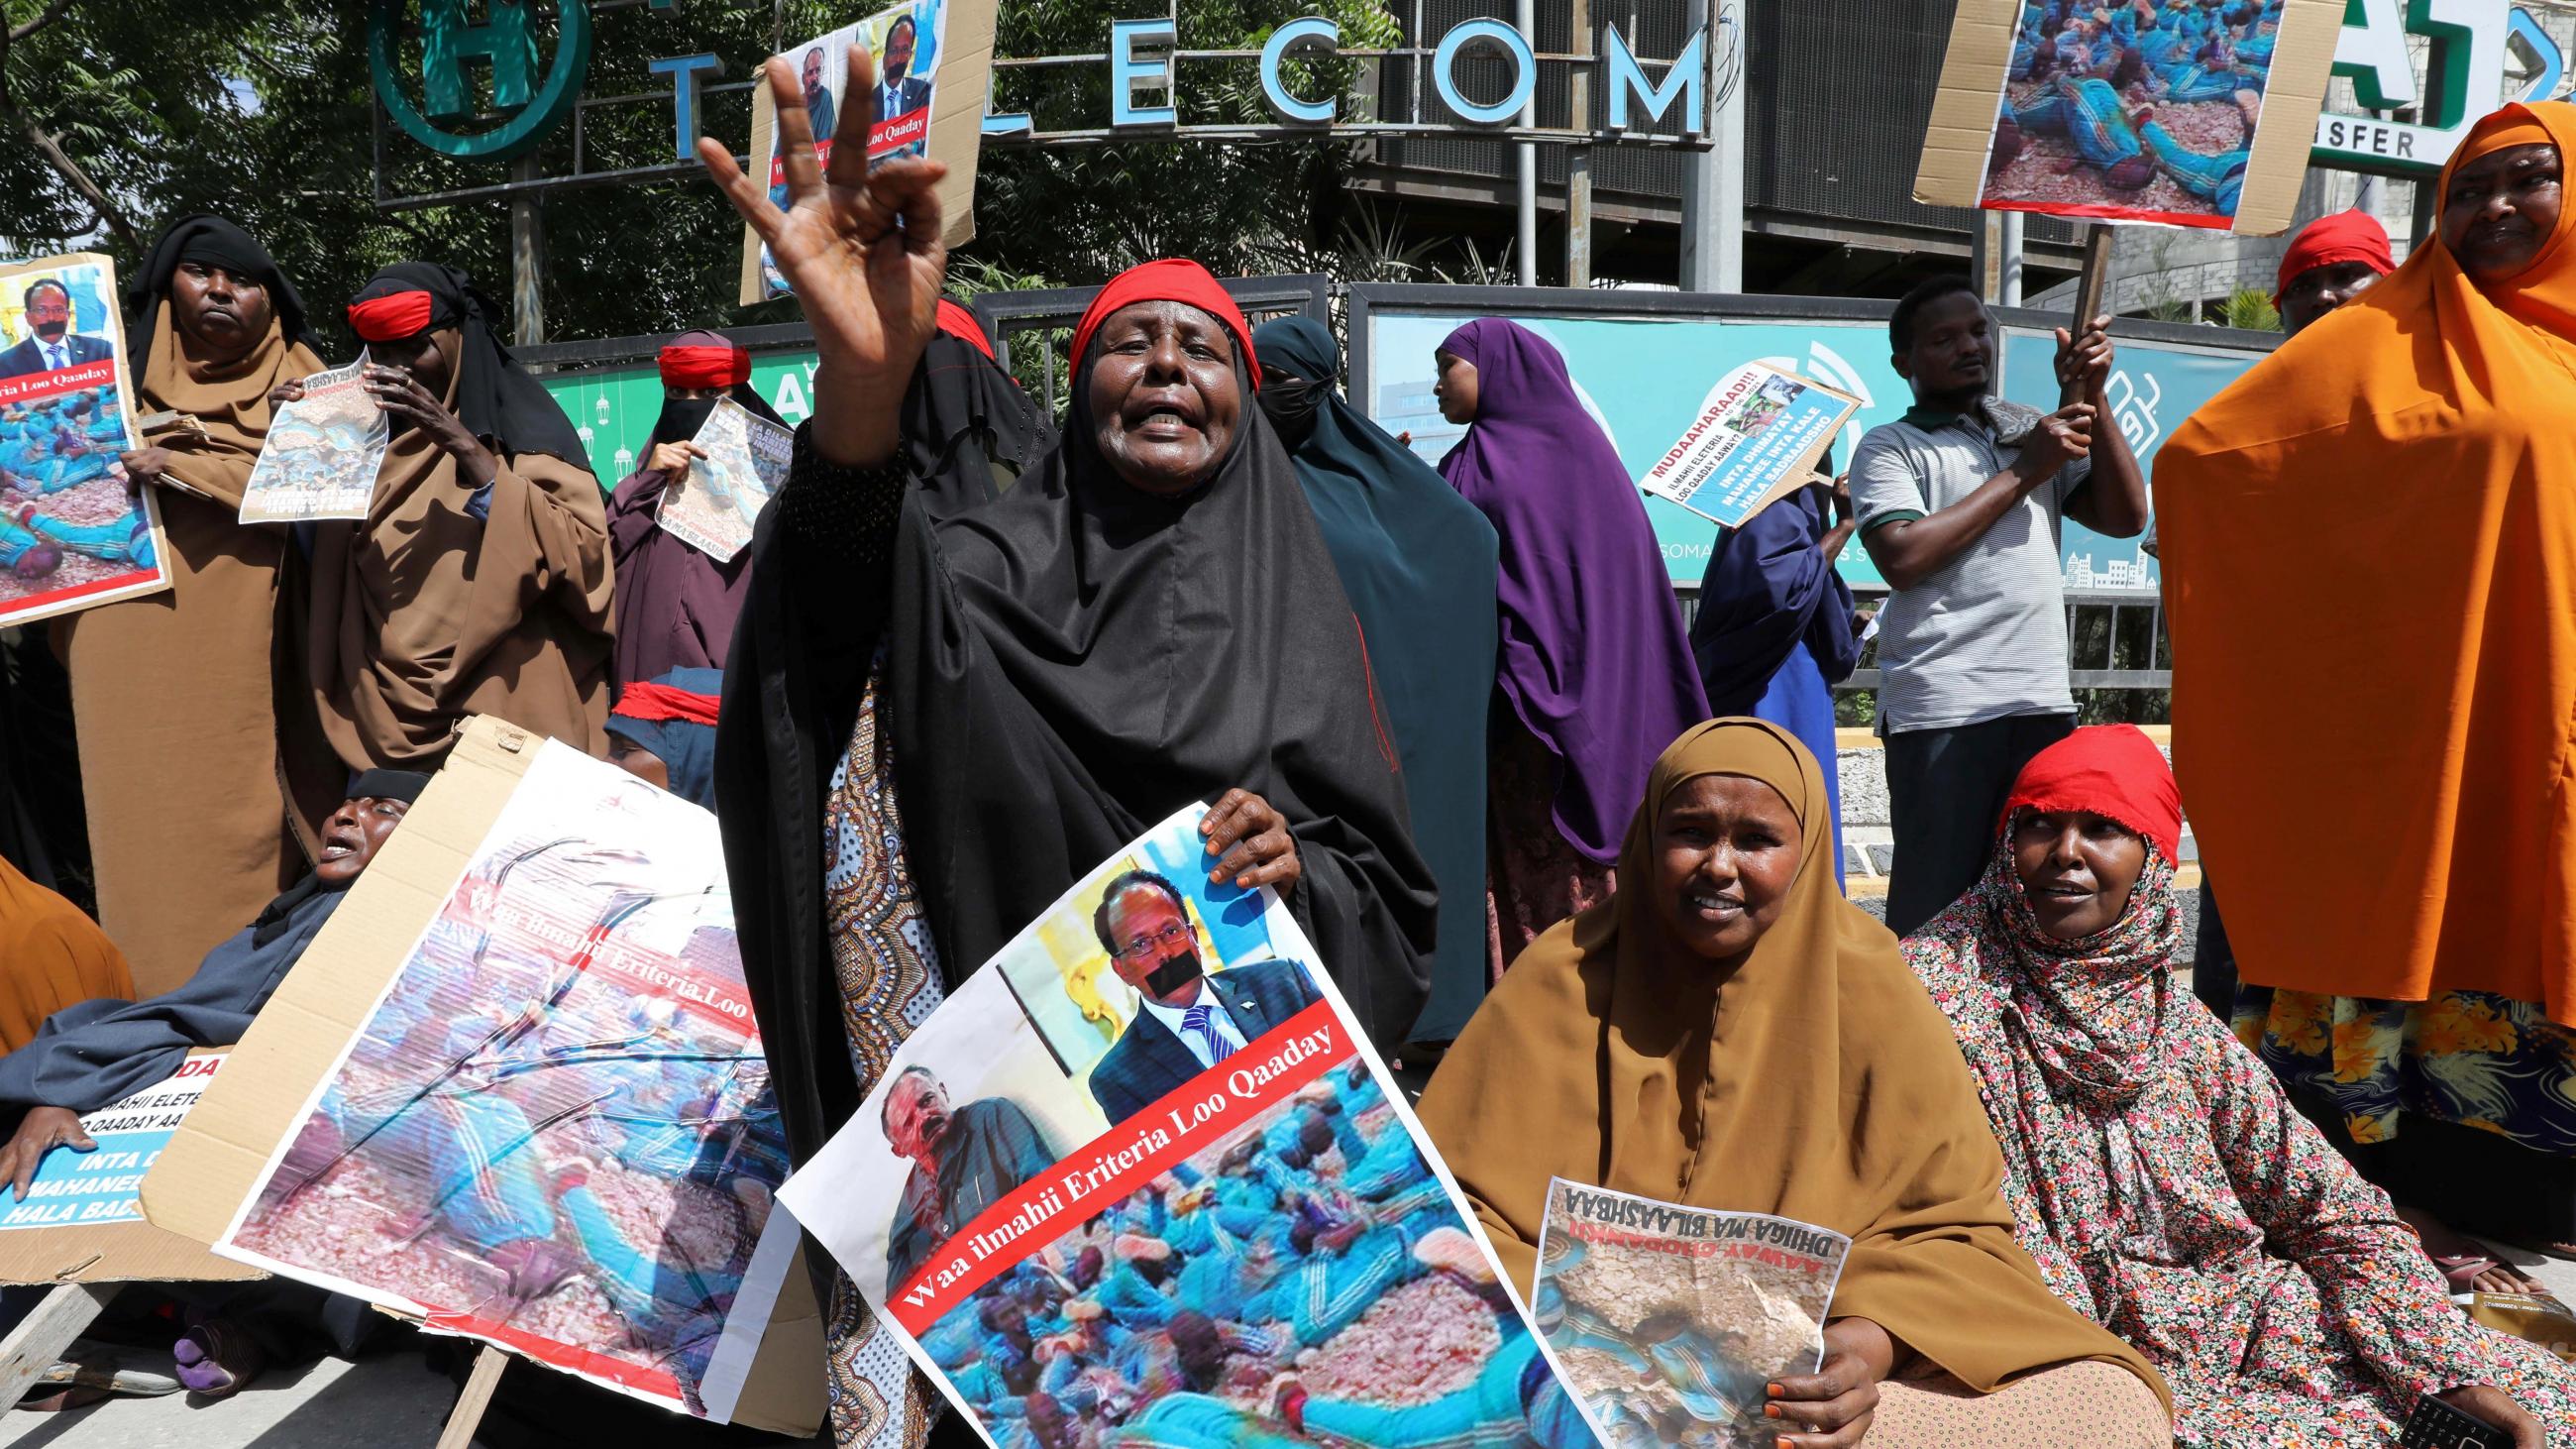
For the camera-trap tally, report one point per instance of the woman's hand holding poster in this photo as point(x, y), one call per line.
point(1143, 1173)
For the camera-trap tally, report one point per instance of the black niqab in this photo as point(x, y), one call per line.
point(495, 397)
point(215, 242)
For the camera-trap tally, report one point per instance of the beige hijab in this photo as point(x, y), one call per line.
point(421, 615)
point(1816, 1081)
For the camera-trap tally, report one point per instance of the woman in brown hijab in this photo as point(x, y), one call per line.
point(1728, 1032)
point(478, 583)
point(172, 693)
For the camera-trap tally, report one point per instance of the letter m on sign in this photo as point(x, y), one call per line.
point(506, 40)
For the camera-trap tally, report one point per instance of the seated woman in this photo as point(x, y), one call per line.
point(1728, 1032)
point(2166, 1186)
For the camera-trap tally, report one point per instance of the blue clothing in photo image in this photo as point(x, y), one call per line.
point(2219, 179)
point(2088, 112)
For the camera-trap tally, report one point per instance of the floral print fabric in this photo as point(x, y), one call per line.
point(890, 982)
point(2170, 1191)
point(2468, 1057)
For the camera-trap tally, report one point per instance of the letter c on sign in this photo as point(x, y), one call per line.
point(1316, 28)
point(1444, 65)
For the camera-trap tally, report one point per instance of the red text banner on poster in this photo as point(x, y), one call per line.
point(589, 944)
point(903, 130)
point(61, 379)
point(1267, 1071)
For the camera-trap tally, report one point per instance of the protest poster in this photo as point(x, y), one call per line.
point(934, 61)
point(82, 1219)
point(1142, 1174)
point(322, 452)
point(73, 533)
point(515, 1092)
point(1671, 1321)
point(1760, 432)
point(713, 506)
point(2192, 113)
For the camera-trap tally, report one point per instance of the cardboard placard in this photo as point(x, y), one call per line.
point(130, 1249)
point(2111, 81)
point(224, 1150)
point(71, 536)
point(956, 131)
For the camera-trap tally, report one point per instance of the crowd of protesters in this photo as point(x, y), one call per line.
point(972, 650)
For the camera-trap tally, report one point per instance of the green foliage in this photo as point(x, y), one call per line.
point(261, 112)
point(2250, 308)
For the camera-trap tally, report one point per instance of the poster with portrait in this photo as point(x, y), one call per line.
point(2193, 113)
point(74, 533)
point(554, 1130)
point(1759, 433)
point(1142, 1176)
point(714, 506)
point(322, 452)
point(934, 60)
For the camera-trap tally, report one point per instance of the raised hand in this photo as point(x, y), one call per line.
point(862, 249)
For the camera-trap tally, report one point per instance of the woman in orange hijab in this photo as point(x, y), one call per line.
point(2393, 817)
point(1728, 1032)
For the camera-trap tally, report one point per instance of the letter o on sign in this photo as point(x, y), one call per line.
point(1444, 66)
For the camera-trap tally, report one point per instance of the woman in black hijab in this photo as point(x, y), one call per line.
point(1148, 617)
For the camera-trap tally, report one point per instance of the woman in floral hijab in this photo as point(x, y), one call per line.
point(2153, 1166)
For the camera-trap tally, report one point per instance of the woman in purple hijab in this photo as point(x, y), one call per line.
point(676, 606)
point(1596, 675)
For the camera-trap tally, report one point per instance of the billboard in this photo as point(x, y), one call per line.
point(1644, 375)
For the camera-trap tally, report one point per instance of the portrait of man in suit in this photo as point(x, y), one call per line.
point(898, 90)
point(51, 342)
point(964, 1160)
point(1189, 1018)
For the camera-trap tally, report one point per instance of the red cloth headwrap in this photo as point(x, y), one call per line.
point(1173, 279)
point(2110, 770)
point(704, 366)
point(2346, 236)
point(663, 701)
point(391, 317)
point(959, 323)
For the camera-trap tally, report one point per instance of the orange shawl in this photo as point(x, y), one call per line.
point(55, 957)
point(2372, 591)
point(1816, 1081)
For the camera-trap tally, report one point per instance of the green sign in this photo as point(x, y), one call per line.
point(2426, 71)
point(614, 410)
point(455, 52)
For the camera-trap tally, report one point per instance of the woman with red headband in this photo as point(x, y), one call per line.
point(2168, 1188)
point(1148, 617)
point(2391, 827)
point(676, 604)
point(478, 583)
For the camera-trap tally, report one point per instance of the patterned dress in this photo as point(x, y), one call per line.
point(2170, 1191)
point(890, 983)
point(2469, 1057)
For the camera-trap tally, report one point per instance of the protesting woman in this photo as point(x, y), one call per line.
point(478, 583)
point(943, 713)
point(1418, 564)
point(1596, 672)
point(1729, 1033)
point(676, 603)
point(173, 693)
point(2154, 1168)
point(2403, 880)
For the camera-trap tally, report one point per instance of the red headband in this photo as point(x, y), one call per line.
point(663, 701)
point(959, 323)
point(391, 317)
point(2109, 770)
point(1173, 279)
point(2346, 236)
point(702, 366)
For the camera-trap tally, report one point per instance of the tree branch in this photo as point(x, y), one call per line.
point(61, 161)
point(47, 16)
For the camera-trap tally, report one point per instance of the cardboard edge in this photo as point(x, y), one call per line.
point(2303, 53)
point(764, 119)
point(1959, 137)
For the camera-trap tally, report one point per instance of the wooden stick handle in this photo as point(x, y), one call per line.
point(467, 1416)
point(2090, 289)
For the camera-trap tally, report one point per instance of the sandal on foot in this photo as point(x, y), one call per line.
point(216, 1359)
